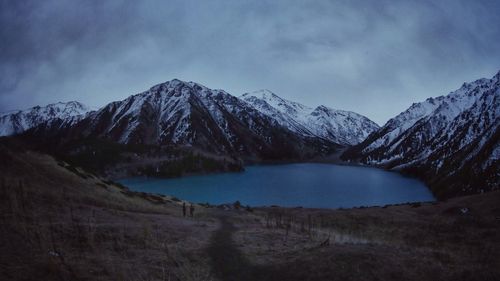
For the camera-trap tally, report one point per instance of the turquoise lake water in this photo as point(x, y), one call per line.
point(292, 185)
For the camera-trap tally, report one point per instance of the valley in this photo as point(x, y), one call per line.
point(307, 185)
point(64, 217)
point(60, 222)
point(249, 140)
point(180, 128)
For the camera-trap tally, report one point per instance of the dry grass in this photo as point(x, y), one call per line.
point(428, 242)
point(60, 223)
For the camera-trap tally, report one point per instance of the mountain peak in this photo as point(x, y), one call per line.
point(174, 83)
point(177, 82)
point(497, 76)
point(322, 108)
point(18, 121)
point(263, 94)
point(69, 104)
point(430, 133)
point(323, 122)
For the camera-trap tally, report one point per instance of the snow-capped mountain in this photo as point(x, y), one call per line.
point(443, 138)
point(190, 114)
point(16, 122)
point(339, 126)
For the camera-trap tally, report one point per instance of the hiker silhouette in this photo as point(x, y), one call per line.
point(184, 209)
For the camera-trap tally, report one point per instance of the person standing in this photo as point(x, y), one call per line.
point(184, 209)
point(191, 210)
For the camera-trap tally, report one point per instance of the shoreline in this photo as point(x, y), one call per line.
point(420, 195)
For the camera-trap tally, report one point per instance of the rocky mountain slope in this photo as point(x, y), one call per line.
point(339, 126)
point(189, 114)
point(16, 122)
point(450, 141)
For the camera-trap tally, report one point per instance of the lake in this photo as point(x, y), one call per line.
point(292, 185)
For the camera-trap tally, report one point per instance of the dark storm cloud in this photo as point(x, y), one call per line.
point(373, 57)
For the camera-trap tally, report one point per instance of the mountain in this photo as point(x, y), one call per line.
point(16, 122)
point(451, 141)
point(189, 114)
point(339, 126)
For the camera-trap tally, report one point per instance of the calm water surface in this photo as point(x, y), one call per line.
point(307, 185)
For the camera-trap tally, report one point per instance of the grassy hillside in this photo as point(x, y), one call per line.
point(115, 160)
point(59, 222)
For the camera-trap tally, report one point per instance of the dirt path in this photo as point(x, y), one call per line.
point(228, 262)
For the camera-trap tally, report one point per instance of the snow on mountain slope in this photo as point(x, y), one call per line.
point(16, 122)
point(286, 113)
point(413, 129)
point(443, 137)
point(344, 127)
point(190, 114)
point(170, 108)
point(437, 112)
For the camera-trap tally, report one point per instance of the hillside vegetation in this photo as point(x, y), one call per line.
point(59, 222)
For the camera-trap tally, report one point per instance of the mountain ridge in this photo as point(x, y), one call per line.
point(171, 129)
point(18, 121)
point(340, 126)
point(188, 113)
point(449, 141)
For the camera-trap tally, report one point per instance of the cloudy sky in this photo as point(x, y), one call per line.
point(372, 57)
